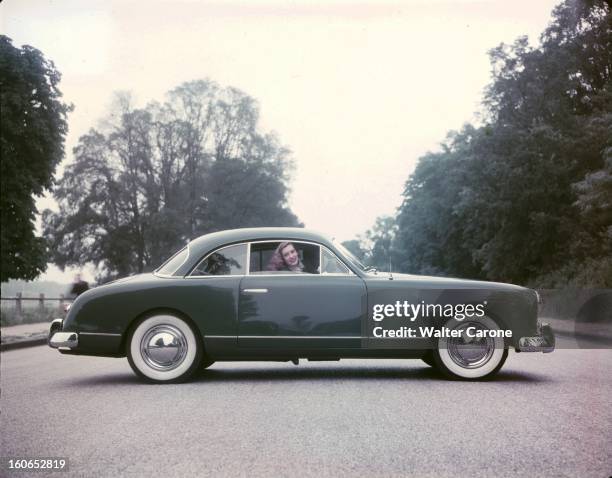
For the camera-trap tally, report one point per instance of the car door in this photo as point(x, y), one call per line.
point(211, 292)
point(289, 310)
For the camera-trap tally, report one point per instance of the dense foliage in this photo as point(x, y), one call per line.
point(526, 197)
point(153, 178)
point(31, 146)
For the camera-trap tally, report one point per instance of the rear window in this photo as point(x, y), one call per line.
point(172, 264)
point(230, 260)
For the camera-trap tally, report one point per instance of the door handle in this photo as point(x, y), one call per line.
point(255, 291)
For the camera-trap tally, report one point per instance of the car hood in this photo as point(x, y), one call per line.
point(444, 282)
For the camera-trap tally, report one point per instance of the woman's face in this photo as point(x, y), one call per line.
point(290, 255)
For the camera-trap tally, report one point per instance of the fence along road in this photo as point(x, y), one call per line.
point(25, 320)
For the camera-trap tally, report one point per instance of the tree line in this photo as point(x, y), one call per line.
point(525, 197)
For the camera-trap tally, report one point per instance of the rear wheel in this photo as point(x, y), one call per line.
point(468, 357)
point(164, 349)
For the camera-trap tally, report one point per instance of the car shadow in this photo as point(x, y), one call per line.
point(314, 373)
point(336, 373)
point(520, 377)
point(259, 374)
point(113, 379)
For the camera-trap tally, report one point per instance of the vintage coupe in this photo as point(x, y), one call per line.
point(282, 294)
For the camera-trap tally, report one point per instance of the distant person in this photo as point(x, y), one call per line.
point(285, 258)
point(78, 286)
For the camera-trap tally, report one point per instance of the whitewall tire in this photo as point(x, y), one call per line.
point(470, 358)
point(164, 349)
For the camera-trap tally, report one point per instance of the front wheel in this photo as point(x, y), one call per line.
point(474, 354)
point(164, 349)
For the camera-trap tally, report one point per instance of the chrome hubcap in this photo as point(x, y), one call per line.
point(471, 352)
point(163, 347)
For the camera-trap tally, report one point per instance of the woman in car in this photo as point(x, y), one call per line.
point(285, 258)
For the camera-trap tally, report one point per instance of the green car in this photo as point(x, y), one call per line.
point(284, 294)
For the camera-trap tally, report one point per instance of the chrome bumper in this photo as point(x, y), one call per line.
point(543, 342)
point(62, 340)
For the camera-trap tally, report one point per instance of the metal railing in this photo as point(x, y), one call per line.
point(38, 302)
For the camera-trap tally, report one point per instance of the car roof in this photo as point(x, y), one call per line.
point(209, 242)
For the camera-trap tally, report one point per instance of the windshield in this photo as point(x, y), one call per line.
point(350, 256)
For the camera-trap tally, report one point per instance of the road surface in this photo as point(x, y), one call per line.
point(545, 415)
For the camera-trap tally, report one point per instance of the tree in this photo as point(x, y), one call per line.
point(378, 243)
point(355, 246)
point(33, 131)
point(525, 197)
point(429, 238)
point(159, 176)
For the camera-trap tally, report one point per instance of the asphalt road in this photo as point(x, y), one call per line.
point(545, 415)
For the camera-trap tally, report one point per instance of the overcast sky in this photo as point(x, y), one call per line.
point(357, 90)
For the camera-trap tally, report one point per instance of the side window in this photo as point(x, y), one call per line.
point(284, 257)
point(230, 260)
point(172, 264)
point(331, 264)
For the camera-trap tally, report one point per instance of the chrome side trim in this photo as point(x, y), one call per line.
point(255, 291)
point(213, 277)
point(248, 264)
point(299, 274)
point(303, 337)
point(100, 333)
point(320, 260)
point(296, 337)
point(282, 274)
